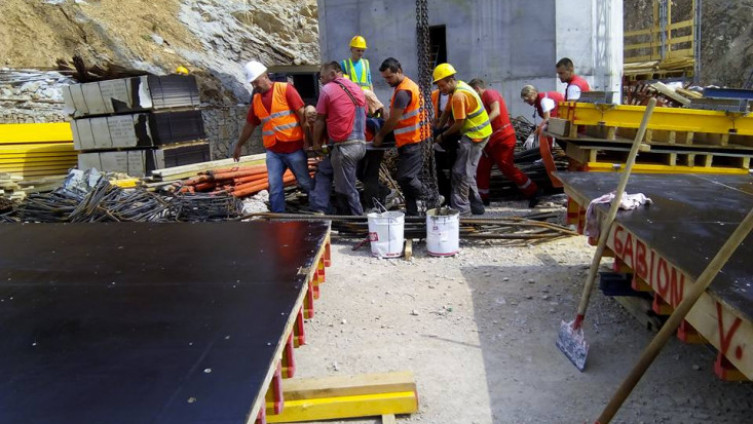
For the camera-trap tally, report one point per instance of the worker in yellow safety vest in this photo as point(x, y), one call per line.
point(472, 121)
point(356, 67)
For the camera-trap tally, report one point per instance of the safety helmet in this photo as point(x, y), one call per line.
point(254, 70)
point(358, 42)
point(442, 71)
point(182, 70)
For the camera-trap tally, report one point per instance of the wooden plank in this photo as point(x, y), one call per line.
point(388, 419)
point(354, 385)
point(323, 409)
point(203, 166)
point(408, 251)
point(558, 126)
point(665, 90)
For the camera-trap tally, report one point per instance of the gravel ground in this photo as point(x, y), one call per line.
point(478, 331)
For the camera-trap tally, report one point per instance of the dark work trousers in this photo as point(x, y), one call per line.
point(409, 165)
point(464, 189)
point(444, 155)
point(368, 174)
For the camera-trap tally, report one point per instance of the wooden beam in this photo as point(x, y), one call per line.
point(388, 419)
point(330, 398)
point(298, 389)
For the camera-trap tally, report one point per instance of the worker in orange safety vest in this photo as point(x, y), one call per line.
point(278, 109)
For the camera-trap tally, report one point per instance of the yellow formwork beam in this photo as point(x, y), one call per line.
point(334, 408)
point(33, 168)
point(126, 183)
point(31, 173)
point(338, 397)
point(35, 133)
point(50, 155)
point(36, 148)
point(37, 160)
point(649, 168)
point(666, 119)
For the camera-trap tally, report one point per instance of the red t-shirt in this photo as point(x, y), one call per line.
point(294, 102)
point(490, 96)
point(335, 103)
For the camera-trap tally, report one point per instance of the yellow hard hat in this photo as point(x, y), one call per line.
point(442, 71)
point(182, 70)
point(358, 42)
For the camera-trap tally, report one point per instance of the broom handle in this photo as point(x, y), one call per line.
point(607, 224)
point(669, 327)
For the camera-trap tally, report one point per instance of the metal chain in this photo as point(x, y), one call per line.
point(425, 67)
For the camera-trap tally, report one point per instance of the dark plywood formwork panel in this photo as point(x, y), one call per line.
point(691, 217)
point(145, 323)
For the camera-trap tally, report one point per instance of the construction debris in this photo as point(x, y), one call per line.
point(532, 228)
point(90, 197)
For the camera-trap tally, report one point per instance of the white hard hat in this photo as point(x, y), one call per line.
point(254, 70)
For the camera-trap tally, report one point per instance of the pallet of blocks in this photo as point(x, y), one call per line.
point(135, 125)
point(597, 137)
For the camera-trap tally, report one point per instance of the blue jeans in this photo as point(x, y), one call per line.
point(319, 199)
point(277, 164)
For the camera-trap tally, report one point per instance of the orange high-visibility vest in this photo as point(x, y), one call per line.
point(408, 129)
point(280, 124)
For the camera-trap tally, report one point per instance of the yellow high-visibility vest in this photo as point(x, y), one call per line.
point(477, 125)
point(349, 71)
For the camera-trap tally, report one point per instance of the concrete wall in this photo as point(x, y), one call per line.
point(508, 43)
point(591, 35)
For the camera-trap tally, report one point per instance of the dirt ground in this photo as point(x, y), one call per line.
point(478, 331)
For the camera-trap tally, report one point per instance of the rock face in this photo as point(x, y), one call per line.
point(212, 38)
point(726, 36)
point(234, 32)
point(31, 96)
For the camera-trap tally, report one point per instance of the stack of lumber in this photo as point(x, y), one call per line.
point(36, 150)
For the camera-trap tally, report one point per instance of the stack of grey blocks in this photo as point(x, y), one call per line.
point(138, 124)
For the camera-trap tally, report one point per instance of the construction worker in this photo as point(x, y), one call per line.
point(546, 106)
point(278, 108)
point(181, 70)
point(575, 84)
point(472, 121)
point(409, 126)
point(341, 109)
point(501, 146)
point(356, 67)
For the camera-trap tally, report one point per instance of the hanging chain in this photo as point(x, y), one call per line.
point(425, 67)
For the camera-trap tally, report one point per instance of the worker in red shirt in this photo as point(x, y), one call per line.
point(341, 111)
point(501, 146)
point(278, 108)
point(546, 105)
point(575, 84)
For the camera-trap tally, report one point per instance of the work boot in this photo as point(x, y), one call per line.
point(535, 199)
point(477, 205)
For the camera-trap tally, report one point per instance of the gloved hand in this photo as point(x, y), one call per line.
point(531, 142)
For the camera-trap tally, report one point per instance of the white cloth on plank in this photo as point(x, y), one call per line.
point(628, 202)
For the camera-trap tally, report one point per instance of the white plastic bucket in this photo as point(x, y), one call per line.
point(386, 234)
point(442, 232)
